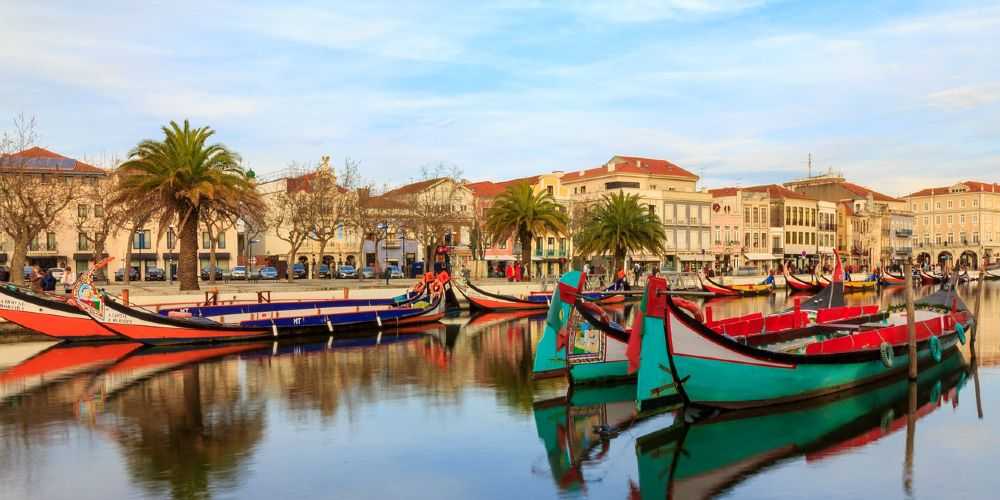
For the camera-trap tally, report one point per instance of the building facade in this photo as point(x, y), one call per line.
point(958, 223)
point(668, 191)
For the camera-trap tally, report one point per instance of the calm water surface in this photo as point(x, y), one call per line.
point(455, 414)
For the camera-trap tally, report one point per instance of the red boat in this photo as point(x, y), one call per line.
point(928, 278)
point(799, 285)
point(49, 315)
point(888, 278)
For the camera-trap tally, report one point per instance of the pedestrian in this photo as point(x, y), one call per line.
point(69, 280)
point(48, 282)
point(518, 272)
point(509, 271)
point(36, 279)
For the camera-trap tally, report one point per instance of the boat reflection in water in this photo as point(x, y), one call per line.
point(577, 429)
point(705, 453)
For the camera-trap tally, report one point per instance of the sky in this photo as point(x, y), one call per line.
point(894, 95)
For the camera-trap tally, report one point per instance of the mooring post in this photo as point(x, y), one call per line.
point(125, 296)
point(911, 327)
point(979, 304)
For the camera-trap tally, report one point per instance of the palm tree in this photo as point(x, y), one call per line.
point(179, 178)
point(619, 225)
point(520, 211)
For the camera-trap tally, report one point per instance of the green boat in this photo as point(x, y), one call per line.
point(717, 370)
point(706, 453)
point(576, 430)
point(582, 342)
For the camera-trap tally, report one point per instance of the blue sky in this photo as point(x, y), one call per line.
point(896, 95)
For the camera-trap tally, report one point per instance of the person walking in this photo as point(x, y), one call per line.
point(69, 280)
point(48, 282)
point(36, 279)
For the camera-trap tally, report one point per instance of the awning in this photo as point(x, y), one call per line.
point(86, 256)
point(760, 256)
point(144, 256)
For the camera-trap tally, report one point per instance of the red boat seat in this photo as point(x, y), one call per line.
point(894, 335)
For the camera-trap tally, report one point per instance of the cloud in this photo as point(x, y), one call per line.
point(647, 11)
point(965, 97)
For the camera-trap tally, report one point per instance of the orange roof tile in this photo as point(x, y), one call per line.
point(776, 191)
point(974, 187)
point(632, 165)
point(58, 162)
point(863, 191)
point(490, 189)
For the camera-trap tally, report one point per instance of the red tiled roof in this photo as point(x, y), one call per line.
point(974, 187)
point(776, 191)
point(78, 167)
point(632, 165)
point(863, 191)
point(490, 189)
point(723, 192)
point(413, 187)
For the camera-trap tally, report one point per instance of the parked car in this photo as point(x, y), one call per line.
point(298, 270)
point(155, 274)
point(27, 272)
point(218, 273)
point(133, 274)
point(323, 271)
point(347, 272)
point(57, 273)
point(368, 272)
point(268, 273)
point(395, 272)
point(239, 273)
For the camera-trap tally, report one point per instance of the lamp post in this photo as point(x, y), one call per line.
point(402, 251)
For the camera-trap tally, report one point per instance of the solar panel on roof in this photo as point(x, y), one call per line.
point(65, 164)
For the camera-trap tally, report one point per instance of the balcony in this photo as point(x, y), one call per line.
point(904, 233)
point(904, 251)
point(550, 252)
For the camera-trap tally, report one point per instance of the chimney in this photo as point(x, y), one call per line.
point(638, 163)
point(611, 167)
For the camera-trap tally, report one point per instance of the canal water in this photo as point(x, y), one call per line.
point(453, 412)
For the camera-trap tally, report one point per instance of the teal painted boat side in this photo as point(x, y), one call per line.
point(549, 356)
point(752, 385)
point(707, 458)
point(601, 371)
point(654, 379)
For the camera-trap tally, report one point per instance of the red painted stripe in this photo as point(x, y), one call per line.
point(60, 327)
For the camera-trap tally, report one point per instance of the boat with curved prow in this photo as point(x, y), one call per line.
point(49, 315)
point(720, 290)
point(720, 371)
point(889, 279)
point(799, 285)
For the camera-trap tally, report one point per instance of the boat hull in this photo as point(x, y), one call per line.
point(50, 317)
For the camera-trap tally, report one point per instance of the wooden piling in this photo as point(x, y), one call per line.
point(125, 296)
point(911, 327)
point(980, 293)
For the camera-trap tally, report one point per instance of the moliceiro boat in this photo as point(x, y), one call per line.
point(710, 285)
point(152, 328)
point(712, 369)
point(889, 279)
point(49, 315)
point(851, 285)
point(483, 300)
point(799, 285)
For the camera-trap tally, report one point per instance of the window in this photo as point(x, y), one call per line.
point(975, 237)
point(583, 189)
point(937, 205)
point(961, 203)
point(550, 190)
point(926, 220)
point(937, 239)
point(222, 240)
point(975, 203)
point(718, 235)
point(975, 219)
point(651, 209)
point(552, 242)
point(35, 244)
point(926, 206)
point(50, 241)
point(82, 242)
point(756, 240)
point(621, 185)
point(937, 219)
point(502, 245)
point(756, 217)
point(81, 211)
point(951, 238)
point(951, 204)
point(746, 215)
point(746, 240)
point(668, 213)
point(961, 219)
point(143, 240)
point(961, 238)
point(172, 237)
point(788, 215)
point(98, 211)
point(206, 240)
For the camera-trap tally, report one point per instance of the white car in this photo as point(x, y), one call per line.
point(239, 273)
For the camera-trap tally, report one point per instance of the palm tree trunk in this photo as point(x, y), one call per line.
point(525, 255)
point(187, 265)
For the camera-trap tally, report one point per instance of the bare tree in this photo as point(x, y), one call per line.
point(327, 207)
point(31, 197)
point(442, 206)
point(98, 218)
point(289, 215)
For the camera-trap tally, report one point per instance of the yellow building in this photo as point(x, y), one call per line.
point(669, 191)
point(551, 252)
point(69, 241)
point(960, 223)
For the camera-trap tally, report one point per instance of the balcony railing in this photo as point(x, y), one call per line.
point(538, 252)
point(550, 252)
point(904, 251)
point(777, 250)
point(904, 233)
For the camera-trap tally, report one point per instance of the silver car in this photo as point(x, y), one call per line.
point(239, 273)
